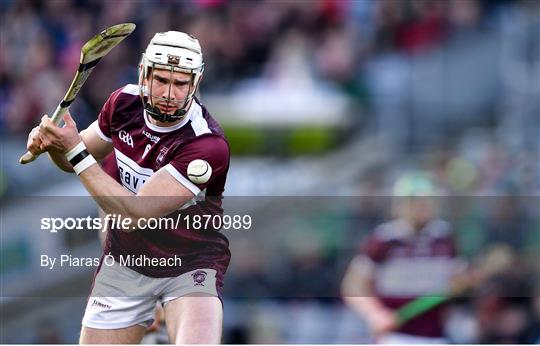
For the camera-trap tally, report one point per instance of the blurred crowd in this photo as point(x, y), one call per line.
point(366, 48)
point(421, 75)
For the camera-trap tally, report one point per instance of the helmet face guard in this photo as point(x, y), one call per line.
point(171, 51)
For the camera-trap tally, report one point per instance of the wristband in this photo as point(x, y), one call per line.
point(75, 150)
point(85, 162)
point(79, 158)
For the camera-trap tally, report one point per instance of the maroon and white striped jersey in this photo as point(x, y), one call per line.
point(408, 264)
point(141, 149)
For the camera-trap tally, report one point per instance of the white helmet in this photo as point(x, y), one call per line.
point(176, 52)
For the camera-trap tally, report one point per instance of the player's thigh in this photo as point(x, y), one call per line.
point(129, 335)
point(194, 318)
point(120, 306)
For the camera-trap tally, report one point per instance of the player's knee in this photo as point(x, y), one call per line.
point(198, 320)
point(199, 332)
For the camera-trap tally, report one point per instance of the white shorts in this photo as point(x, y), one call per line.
point(122, 297)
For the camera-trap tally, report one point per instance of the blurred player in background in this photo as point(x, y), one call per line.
point(154, 142)
point(411, 256)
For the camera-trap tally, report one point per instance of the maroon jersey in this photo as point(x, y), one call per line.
point(409, 264)
point(108, 165)
point(142, 148)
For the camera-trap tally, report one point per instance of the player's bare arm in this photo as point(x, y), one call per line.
point(168, 194)
point(96, 146)
point(159, 196)
point(357, 293)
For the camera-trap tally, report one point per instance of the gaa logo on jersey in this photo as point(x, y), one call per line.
point(199, 276)
point(126, 138)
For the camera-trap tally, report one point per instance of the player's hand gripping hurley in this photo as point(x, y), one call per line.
point(91, 53)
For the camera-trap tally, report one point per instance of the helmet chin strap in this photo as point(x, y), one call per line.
point(156, 114)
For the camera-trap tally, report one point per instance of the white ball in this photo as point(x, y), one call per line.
point(199, 171)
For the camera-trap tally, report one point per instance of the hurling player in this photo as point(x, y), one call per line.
point(408, 257)
point(155, 129)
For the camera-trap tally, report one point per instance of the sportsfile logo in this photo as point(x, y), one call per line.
point(126, 138)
